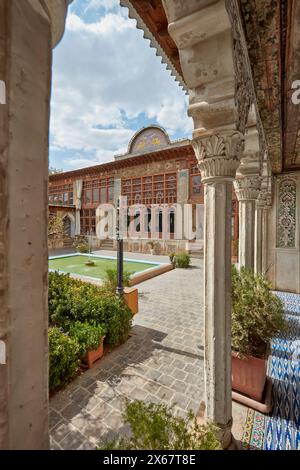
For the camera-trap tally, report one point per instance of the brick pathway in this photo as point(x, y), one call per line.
point(162, 361)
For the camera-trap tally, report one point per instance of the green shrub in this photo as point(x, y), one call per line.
point(82, 248)
point(111, 279)
point(81, 244)
point(182, 260)
point(71, 300)
point(257, 314)
point(172, 258)
point(63, 358)
point(155, 427)
point(88, 337)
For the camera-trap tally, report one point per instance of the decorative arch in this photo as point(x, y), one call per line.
point(148, 139)
point(72, 223)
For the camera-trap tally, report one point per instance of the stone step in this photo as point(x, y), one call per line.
point(107, 245)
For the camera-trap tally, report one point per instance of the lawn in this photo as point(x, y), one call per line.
point(76, 265)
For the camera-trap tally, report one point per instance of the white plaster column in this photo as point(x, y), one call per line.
point(213, 57)
point(265, 225)
point(78, 184)
point(258, 238)
point(25, 68)
point(247, 191)
point(218, 157)
point(265, 205)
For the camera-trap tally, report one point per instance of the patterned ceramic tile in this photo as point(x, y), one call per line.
point(281, 429)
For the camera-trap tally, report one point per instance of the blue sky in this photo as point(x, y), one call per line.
point(108, 83)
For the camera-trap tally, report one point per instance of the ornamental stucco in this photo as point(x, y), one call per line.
point(286, 213)
point(219, 154)
point(247, 187)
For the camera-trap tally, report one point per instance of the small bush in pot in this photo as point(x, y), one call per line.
point(89, 337)
point(257, 317)
point(155, 427)
point(182, 260)
point(257, 313)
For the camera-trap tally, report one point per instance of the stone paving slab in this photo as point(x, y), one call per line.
point(162, 361)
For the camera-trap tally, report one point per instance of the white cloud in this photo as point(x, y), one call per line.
point(106, 4)
point(105, 75)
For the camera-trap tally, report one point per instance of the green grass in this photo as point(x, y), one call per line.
point(76, 265)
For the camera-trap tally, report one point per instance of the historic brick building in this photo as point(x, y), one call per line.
point(154, 172)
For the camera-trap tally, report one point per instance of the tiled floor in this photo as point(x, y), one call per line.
point(281, 429)
point(162, 361)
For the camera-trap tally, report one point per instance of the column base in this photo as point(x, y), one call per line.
point(224, 434)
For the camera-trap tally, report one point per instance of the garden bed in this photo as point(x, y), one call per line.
point(80, 315)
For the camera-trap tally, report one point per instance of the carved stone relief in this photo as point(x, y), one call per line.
point(286, 213)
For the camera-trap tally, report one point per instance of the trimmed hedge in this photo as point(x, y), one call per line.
point(180, 260)
point(71, 300)
point(63, 358)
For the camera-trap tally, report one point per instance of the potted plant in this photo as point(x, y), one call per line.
point(182, 260)
point(90, 339)
point(152, 244)
point(257, 317)
point(157, 427)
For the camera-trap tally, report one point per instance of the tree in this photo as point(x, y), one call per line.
point(55, 226)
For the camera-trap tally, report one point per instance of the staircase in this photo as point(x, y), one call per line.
point(195, 249)
point(107, 244)
point(68, 242)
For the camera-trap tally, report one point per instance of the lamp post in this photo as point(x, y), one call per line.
point(120, 289)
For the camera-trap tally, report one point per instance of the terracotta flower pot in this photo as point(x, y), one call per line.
point(131, 299)
point(249, 375)
point(93, 356)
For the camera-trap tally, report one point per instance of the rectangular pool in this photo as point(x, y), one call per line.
point(75, 264)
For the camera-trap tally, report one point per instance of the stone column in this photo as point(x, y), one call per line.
point(265, 217)
point(247, 191)
point(218, 157)
point(258, 238)
point(264, 203)
point(25, 68)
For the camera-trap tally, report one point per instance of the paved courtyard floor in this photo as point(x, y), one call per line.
point(161, 362)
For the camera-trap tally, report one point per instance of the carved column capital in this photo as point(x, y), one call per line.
point(247, 188)
point(219, 155)
point(264, 200)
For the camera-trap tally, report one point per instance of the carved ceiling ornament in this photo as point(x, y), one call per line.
point(244, 87)
point(244, 94)
point(219, 154)
point(286, 213)
point(247, 188)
